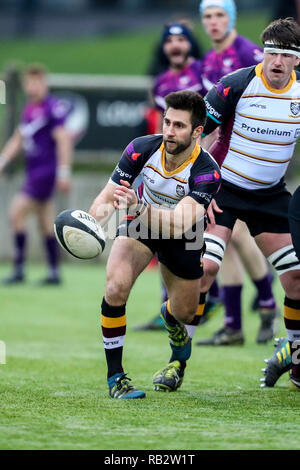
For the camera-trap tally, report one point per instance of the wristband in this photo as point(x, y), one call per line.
point(139, 209)
point(63, 172)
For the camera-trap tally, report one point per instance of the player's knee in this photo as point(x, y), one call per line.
point(214, 253)
point(186, 314)
point(290, 282)
point(116, 292)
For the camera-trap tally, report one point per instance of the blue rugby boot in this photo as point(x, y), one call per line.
point(278, 364)
point(180, 342)
point(119, 387)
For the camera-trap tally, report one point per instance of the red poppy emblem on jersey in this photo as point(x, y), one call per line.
point(216, 175)
point(135, 156)
point(226, 91)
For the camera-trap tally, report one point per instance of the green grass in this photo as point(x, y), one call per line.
point(127, 54)
point(53, 388)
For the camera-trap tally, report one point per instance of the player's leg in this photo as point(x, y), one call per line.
point(46, 214)
point(216, 239)
point(22, 205)
point(256, 266)
point(127, 259)
point(281, 254)
point(178, 314)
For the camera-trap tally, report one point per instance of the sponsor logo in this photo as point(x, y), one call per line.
point(268, 131)
point(216, 175)
point(180, 190)
point(212, 110)
point(85, 216)
point(223, 92)
point(295, 108)
point(135, 156)
point(122, 173)
point(210, 177)
point(205, 196)
point(151, 180)
point(110, 343)
point(227, 62)
point(297, 133)
point(262, 106)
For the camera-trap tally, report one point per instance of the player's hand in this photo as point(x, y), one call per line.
point(213, 207)
point(124, 196)
point(64, 185)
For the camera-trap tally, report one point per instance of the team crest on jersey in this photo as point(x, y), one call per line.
point(295, 108)
point(180, 190)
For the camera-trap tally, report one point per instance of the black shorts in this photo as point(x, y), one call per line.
point(263, 210)
point(181, 260)
point(294, 220)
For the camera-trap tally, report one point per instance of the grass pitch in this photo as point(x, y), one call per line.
point(53, 388)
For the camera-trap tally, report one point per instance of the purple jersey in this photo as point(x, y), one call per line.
point(36, 127)
point(187, 79)
point(242, 53)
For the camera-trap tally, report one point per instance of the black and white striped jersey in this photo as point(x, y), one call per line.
point(198, 177)
point(259, 126)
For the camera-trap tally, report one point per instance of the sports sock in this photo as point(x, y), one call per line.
point(164, 293)
point(20, 239)
point(265, 295)
point(171, 320)
point(191, 328)
point(213, 292)
point(52, 253)
point(292, 324)
point(233, 306)
point(113, 323)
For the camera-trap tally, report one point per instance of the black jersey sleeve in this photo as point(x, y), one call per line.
point(205, 179)
point(222, 99)
point(134, 157)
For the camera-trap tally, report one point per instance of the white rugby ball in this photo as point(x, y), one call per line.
point(79, 233)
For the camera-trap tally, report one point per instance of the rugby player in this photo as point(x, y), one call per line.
point(184, 72)
point(258, 111)
point(281, 360)
point(179, 181)
point(47, 149)
point(231, 52)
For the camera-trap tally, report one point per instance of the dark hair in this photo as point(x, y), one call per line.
point(284, 32)
point(188, 101)
point(37, 70)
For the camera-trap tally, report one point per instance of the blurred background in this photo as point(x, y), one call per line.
point(99, 55)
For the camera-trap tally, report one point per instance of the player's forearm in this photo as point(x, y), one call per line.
point(10, 150)
point(173, 223)
point(102, 207)
point(64, 154)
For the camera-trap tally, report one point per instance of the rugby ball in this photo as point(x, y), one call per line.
point(79, 234)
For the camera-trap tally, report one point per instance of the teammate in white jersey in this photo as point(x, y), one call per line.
point(258, 111)
point(179, 182)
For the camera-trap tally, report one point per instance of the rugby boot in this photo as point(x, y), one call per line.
point(13, 279)
point(225, 336)
point(278, 364)
point(169, 378)
point(294, 384)
point(119, 387)
point(268, 326)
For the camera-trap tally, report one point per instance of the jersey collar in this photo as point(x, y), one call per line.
point(259, 73)
point(191, 159)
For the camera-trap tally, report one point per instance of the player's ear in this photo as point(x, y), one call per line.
point(197, 132)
